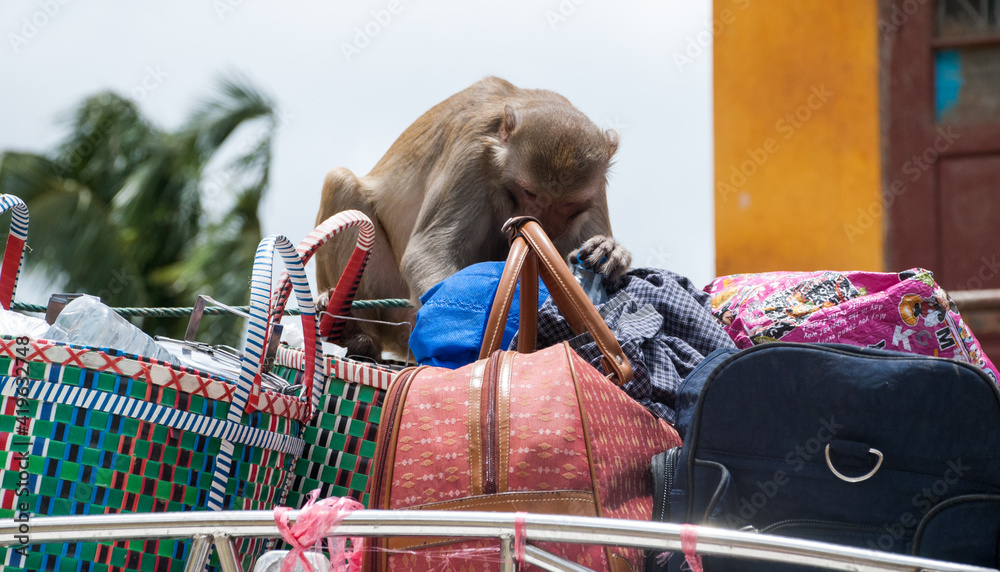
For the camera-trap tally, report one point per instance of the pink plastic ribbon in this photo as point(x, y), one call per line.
point(689, 545)
point(315, 521)
point(520, 537)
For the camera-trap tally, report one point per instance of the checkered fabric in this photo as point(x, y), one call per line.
point(340, 440)
point(664, 325)
point(75, 451)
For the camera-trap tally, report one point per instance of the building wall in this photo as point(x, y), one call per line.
point(797, 144)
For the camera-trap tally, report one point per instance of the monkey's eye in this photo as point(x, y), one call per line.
point(531, 196)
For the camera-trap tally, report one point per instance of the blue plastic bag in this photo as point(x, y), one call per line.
point(452, 319)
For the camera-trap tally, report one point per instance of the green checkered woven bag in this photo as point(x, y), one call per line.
point(96, 431)
point(340, 438)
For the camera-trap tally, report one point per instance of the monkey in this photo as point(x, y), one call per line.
point(440, 194)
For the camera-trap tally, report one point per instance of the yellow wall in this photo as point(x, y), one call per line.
point(797, 144)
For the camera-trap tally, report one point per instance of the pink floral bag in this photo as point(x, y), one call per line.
point(905, 312)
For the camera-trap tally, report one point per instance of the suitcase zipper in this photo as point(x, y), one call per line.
point(394, 397)
point(666, 466)
point(490, 446)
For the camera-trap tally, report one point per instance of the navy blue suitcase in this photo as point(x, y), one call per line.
point(835, 443)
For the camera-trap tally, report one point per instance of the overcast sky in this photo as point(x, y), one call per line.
point(349, 77)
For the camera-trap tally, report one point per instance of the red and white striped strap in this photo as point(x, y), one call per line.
point(347, 286)
point(14, 252)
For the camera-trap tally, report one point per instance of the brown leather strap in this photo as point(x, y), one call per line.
point(497, 322)
point(566, 292)
point(562, 302)
point(527, 337)
point(560, 279)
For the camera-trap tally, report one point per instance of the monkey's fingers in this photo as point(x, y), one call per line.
point(594, 252)
point(322, 301)
point(616, 265)
point(605, 255)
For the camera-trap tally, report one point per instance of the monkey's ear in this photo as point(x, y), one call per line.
point(507, 124)
point(612, 136)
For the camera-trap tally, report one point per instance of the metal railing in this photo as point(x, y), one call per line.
point(219, 529)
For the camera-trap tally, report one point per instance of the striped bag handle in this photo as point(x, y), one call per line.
point(248, 387)
point(347, 286)
point(14, 252)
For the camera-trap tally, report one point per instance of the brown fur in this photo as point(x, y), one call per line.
point(440, 194)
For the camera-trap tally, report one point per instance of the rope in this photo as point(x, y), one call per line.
point(212, 310)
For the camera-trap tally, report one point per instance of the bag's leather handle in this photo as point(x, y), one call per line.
point(531, 242)
point(527, 339)
point(520, 264)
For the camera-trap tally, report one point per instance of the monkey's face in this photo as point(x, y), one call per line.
point(556, 172)
point(557, 209)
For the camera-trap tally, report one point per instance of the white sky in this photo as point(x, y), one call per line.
point(613, 59)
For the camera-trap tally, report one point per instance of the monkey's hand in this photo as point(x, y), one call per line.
point(605, 255)
point(322, 301)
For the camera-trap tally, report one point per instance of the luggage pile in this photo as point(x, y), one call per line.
point(663, 403)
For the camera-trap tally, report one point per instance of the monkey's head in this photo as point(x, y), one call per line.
point(553, 163)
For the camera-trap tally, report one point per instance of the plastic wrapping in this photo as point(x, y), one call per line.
point(86, 321)
point(592, 283)
point(15, 324)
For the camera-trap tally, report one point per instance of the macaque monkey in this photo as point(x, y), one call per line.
point(439, 197)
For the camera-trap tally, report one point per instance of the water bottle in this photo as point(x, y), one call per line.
point(15, 324)
point(86, 321)
point(592, 282)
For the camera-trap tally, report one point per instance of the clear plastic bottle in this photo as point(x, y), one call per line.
point(86, 321)
point(592, 283)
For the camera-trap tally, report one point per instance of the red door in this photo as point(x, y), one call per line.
point(941, 109)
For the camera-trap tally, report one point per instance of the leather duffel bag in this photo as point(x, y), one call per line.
point(540, 432)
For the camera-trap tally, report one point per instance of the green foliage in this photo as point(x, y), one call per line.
point(117, 208)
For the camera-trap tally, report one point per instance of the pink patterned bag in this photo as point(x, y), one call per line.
point(905, 312)
point(542, 432)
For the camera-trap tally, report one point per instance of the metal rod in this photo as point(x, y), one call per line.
point(226, 550)
point(201, 550)
point(507, 562)
point(548, 561)
point(539, 528)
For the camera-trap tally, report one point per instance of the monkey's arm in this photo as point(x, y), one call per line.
point(453, 230)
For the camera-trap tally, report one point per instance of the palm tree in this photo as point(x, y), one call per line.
point(117, 209)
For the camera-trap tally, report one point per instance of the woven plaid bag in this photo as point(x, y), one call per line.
point(97, 431)
point(340, 439)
